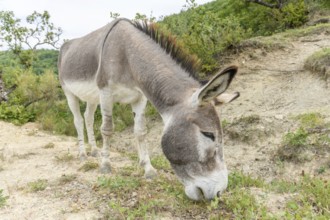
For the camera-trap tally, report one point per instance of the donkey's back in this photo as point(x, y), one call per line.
point(79, 58)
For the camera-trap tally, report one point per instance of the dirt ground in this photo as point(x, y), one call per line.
point(273, 86)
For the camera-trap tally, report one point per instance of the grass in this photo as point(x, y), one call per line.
point(319, 62)
point(64, 179)
point(3, 199)
point(89, 165)
point(64, 157)
point(49, 146)
point(38, 185)
point(309, 139)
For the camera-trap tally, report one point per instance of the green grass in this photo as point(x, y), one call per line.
point(3, 199)
point(311, 137)
point(38, 185)
point(64, 179)
point(319, 62)
point(64, 157)
point(89, 165)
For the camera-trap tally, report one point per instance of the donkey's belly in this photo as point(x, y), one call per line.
point(123, 94)
point(89, 92)
point(86, 91)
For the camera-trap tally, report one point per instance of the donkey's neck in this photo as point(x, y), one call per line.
point(161, 79)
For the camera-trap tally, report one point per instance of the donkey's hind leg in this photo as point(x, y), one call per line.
point(73, 103)
point(106, 104)
point(140, 132)
point(89, 121)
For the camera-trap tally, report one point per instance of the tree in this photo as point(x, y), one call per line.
point(270, 3)
point(23, 41)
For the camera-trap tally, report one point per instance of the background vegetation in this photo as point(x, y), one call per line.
point(210, 31)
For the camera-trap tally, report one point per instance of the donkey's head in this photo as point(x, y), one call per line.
point(192, 139)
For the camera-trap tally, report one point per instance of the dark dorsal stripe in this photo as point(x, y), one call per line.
point(190, 63)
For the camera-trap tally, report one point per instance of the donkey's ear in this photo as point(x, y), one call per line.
point(216, 86)
point(225, 98)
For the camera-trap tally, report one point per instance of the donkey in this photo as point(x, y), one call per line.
point(132, 62)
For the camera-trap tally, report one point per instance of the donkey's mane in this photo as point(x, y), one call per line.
point(190, 63)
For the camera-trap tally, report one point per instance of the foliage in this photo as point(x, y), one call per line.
point(89, 165)
point(211, 29)
point(38, 185)
point(38, 31)
point(319, 62)
point(3, 199)
point(311, 137)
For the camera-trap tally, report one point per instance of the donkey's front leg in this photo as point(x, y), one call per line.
point(140, 132)
point(106, 104)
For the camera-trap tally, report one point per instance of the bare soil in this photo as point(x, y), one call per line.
point(274, 87)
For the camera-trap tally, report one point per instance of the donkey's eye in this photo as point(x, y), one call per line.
point(208, 135)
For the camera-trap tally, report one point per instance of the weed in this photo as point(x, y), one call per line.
point(251, 119)
point(312, 137)
point(293, 145)
point(3, 199)
point(281, 186)
point(310, 120)
point(89, 165)
point(242, 205)
point(119, 183)
point(65, 157)
point(319, 62)
point(64, 179)
point(312, 201)
point(38, 185)
point(237, 179)
point(49, 146)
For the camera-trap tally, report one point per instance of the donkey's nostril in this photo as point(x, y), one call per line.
point(200, 192)
point(219, 194)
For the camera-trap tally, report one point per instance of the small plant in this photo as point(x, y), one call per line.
point(64, 179)
point(49, 146)
point(65, 157)
point(293, 145)
point(119, 183)
point(89, 165)
point(296, 139)
point(312, 201)
point(319, 62)
point(237, 179)
point(3, 199)
point(310, 120)
point(243, 205)
point(38, 185)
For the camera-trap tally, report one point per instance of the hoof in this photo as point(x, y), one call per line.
point(95, 153)
point(105, 168)
point(150, 174)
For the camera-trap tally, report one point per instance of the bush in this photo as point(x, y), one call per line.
point(209, 30)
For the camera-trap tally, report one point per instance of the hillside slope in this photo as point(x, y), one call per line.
point(274, 89)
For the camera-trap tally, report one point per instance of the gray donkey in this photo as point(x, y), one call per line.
point(132, 62)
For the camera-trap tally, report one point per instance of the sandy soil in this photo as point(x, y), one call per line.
point(273, 86)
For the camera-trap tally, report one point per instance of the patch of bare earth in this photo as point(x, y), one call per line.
point(274, 87)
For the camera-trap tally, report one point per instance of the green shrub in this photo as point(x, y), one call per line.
point(211, 29)
point(3, 199)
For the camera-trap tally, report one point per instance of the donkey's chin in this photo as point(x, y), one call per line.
point(207, 187)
